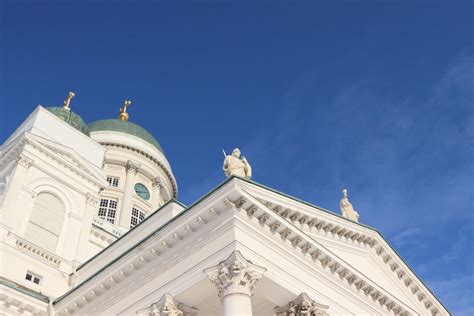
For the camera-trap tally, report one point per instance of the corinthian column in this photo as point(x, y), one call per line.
point(126, 209)
point(235, 279)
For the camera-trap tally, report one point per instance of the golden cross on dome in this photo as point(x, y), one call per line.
point(68, 100)
point(123, 116)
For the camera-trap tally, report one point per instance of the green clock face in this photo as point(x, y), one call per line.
point(142, 191)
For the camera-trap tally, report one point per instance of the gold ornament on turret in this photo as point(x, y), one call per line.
point(68, 100)
point(123, 116)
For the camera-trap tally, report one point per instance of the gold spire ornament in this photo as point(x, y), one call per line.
point(68, 100)
point(123, 116)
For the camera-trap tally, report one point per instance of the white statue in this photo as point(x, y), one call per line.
point(236, 166)
point(347, 209)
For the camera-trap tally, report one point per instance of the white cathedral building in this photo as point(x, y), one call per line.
point(90, 224)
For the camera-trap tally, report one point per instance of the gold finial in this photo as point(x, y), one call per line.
point(123, 116)
point(68, 100)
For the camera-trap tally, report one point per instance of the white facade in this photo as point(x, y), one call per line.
point(242, 249)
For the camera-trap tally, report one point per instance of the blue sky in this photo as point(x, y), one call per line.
point(373, 96)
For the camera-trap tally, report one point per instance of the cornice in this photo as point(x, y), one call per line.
point(353, 235)
point(56, 154)
point(157, 244)
point(184, 226)
point(33, 302)
point(17, 149)
point(320, 255)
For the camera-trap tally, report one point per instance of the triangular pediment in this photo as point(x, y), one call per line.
point(358, 245)
point(67, 157)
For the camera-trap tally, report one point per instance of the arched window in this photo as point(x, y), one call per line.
point(46, 221)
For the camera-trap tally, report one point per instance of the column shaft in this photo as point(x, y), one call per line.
point(126, 209)
point(236, 305)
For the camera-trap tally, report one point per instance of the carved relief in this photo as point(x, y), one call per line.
point(132, 167)
point(24, 161)
point(235, 275)
point(168, 306)
point(156, 183)
point(302, 306)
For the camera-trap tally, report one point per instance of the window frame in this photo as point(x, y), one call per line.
point(34, 277)
point(107, 212)
point(137, 216)
point(114, 181)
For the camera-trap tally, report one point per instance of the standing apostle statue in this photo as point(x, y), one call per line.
point(236, 166)
point(347, 209)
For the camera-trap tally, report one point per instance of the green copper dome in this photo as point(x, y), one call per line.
point(125, 127)
point(71, 118)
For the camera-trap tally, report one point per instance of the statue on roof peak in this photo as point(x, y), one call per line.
point(234, 165)
point(346, 207)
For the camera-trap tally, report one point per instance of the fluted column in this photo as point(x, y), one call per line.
point(126, 209)
point(235, 279)
point(156, 200)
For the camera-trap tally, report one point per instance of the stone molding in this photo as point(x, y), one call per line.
point(61, 157)
point(235, 275)
point(159, 163)
point(157, 183)
point(168, 306)
point(147, 255)
point(38, 252)
point(161, 244)
point(351, 236)
point(319, 254)
point(14, 302)
point(302, 305)
point(24, 161)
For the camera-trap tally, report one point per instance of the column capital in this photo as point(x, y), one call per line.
point(132, 167)
point(167, 305)
point(302, 305)
point(235, 275)
point(157, 183)
point(24, 161)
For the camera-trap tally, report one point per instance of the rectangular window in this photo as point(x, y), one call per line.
point(33, 277)
point(107, 209)
point(137, 217)
point(113, 181)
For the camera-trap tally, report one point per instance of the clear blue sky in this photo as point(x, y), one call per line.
point(319, 95)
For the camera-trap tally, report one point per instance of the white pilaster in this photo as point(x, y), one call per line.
point(10, 209)
point(126, 209)
point(156, 200)
point(235, 279)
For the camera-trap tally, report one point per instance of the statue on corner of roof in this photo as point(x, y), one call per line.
point(346, 208)
point(235, 165)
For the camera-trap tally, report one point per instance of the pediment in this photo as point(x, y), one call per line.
point(360, 246)
point(67, 157)
point(233, 214)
